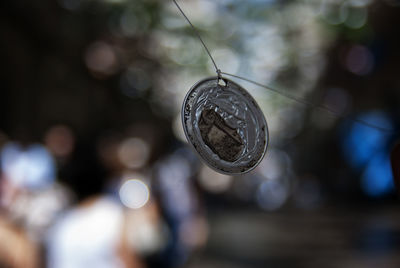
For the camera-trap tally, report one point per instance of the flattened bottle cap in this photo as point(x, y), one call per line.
point(225, 126)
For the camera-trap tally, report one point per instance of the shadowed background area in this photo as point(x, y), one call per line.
point(95, 168)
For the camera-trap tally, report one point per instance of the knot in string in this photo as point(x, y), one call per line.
point(219, 74)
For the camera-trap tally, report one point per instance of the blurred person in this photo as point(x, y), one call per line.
point(16, 249)
point(181, 207)
point(93, 232)
point(27, 166)
point(147, 232)
point(29, 194)
point(126, 158)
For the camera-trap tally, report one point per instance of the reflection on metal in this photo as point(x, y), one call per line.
point(225, 126)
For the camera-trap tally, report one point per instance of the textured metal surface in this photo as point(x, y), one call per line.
point(225, 126)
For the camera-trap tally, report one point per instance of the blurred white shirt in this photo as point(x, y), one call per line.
point(87, 236)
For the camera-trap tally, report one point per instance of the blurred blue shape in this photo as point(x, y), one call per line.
point(366, 149)
point(272, 194)
point(29, 167)
point(377, 179)
point(362, 142)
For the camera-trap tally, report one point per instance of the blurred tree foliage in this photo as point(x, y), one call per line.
point(106, 64)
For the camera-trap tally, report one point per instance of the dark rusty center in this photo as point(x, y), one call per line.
point(222, 139)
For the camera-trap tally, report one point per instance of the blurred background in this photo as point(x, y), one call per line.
point(95, 169)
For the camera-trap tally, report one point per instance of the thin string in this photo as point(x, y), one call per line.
point(199, 37)
point(302, 101)
point(310, 104)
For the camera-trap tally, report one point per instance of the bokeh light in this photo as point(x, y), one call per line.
point(362, 142)
point(359, 60)
point(377, 178)
point(134, 152)
point(272, 194)
point(134, 193)
point(60, 140)
point(366, 149)
point(101, 59)
point(357, 17)
point(135, 81)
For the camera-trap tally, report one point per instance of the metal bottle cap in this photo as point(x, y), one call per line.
point(225, 126)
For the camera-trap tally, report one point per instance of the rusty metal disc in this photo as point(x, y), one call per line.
point(225, 126)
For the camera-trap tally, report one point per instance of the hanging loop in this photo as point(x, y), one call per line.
point(220, 80)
